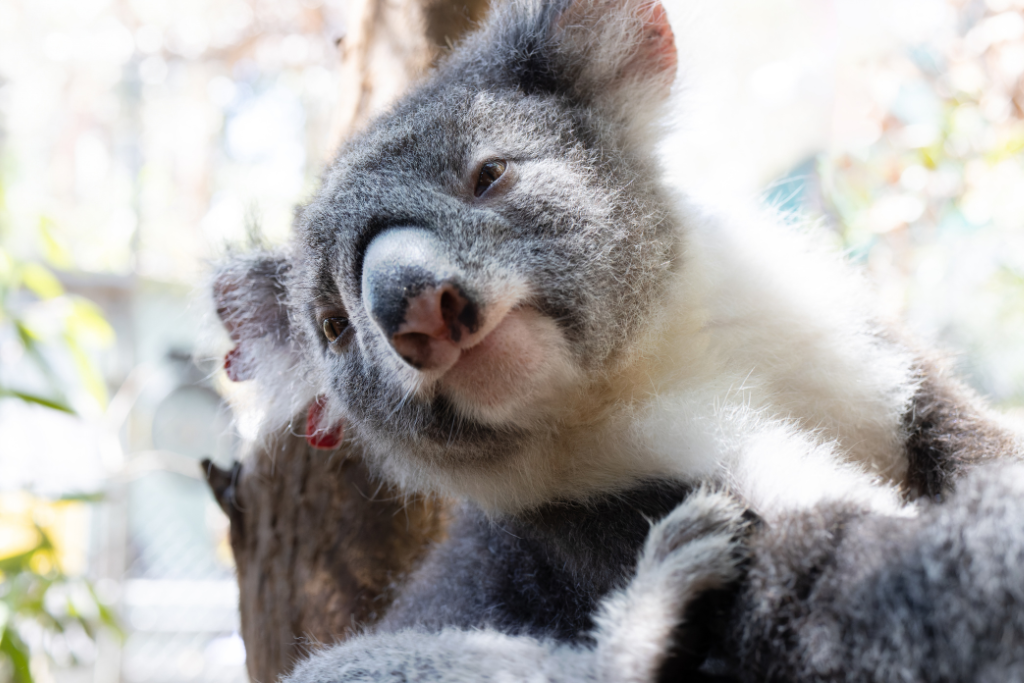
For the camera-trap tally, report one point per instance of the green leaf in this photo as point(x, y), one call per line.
point(41, 281)
point(90, 376)
point(26, 335)
point(83, 497)
point(16, 651)
point(47, 620)
point(107, 616)
point(29, 341)
point(46, 543)
point(17, 564)
point(86, 323)
point(109, 619)
point(87, 625)
point(55, 252)
point(38, 400)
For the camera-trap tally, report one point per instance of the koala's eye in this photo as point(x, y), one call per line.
point(489, 174)
point(334, 328)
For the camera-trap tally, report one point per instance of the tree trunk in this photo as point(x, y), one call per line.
point(391, 44)
point(317, 546)
point(317, 543)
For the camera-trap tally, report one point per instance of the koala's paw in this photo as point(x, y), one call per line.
point(698, 547)
point(701, 540)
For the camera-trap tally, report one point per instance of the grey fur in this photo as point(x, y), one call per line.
point(436, 132)
point(839, 594)
point(948, 431)
point(834, 594)
point(696, 548)
point(510, 91)
point(541, 572)
point(587, 237)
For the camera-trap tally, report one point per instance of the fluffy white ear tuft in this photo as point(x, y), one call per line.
point(621, 46)
point(250, 295)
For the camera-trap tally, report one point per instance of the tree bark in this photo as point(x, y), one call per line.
point(318, 544)
point(389, 45)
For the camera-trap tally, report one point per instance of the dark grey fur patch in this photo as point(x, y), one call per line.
point(946, 433)
point(541, 573)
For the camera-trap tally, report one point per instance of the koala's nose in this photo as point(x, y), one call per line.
point(413, 293)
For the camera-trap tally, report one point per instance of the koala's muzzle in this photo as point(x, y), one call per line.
point(416, 297)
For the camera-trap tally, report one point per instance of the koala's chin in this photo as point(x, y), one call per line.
point(493, 402)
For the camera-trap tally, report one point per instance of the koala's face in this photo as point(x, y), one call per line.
point(442, 269)
point(487, 252)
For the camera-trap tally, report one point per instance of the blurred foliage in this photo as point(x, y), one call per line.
point(140, 128)
point(39, 601)
point(40, 604)
point(46, 325)
point(951, 132)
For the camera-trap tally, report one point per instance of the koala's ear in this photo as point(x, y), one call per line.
point(251, 300)
point(251, 296)
point(616, 56)
point(617, 48)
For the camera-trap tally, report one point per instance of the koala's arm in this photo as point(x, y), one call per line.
point(837, 593)
point(696, 548)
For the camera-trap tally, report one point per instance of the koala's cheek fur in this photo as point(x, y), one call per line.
point(516, 374)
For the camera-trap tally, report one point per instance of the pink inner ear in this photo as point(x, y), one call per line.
point(655, 56)
point(659, 48)
point(320, 437)
point(234, 367)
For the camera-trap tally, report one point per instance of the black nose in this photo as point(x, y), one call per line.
point(415, 296)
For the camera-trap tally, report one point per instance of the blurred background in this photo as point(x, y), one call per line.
point(140, 139)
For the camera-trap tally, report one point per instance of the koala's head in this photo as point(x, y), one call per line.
point(485, 255)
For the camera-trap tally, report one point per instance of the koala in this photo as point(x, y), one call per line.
point(501, 302)
point(842, 593)
point(497, 295)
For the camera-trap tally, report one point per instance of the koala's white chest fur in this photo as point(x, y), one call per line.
point(784, 345)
